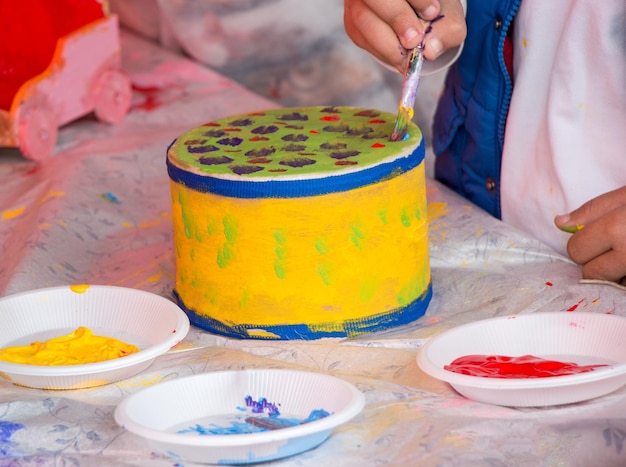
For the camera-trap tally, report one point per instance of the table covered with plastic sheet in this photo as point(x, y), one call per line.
point(98, 212)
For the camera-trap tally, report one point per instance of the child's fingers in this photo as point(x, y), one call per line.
point(447, 31)
point(387, 28)
point(402, 17)
point(375, 26)
point(427, 10)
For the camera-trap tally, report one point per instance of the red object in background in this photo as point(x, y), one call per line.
point(59, 60)
point(527, 366)
point(29, 34)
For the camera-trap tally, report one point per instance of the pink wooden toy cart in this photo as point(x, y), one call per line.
point(59, 60)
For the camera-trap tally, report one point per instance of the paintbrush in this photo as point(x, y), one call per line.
point(270, 423)
point(409, 90)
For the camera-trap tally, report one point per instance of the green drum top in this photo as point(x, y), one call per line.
point(292, 142)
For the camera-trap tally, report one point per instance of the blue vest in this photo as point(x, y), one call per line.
point(468, 128)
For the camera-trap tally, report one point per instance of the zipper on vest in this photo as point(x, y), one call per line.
point(508, 84)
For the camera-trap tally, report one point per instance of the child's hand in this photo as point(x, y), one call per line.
point(386, 28)
point(599, 244)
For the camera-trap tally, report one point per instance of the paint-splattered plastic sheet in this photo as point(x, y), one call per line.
point(99, 212)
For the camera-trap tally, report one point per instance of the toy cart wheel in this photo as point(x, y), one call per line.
point(37, 132)
point(113, 93)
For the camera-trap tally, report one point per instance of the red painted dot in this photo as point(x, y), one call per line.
point(549, 284)
point(277, 170)
point(378, 145)
point(232, 129)
point(259, 160)
point(256, 114)
point(330, 118)
point(315, 132)
point(377, 121)
point(344, 162)
point(259, 138)
point(211, 124)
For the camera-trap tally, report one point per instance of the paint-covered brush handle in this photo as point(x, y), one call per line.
point(409, 91)
point(412, 78)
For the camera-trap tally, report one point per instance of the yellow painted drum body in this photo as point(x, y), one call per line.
point(299, 224)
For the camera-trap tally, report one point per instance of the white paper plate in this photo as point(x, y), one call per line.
point(582, 338)
point(152, 323)
point(158, 413)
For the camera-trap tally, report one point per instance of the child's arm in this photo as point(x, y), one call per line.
point(387, 28)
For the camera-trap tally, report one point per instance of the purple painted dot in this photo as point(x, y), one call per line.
point(234, 141)
point(333, 146)
point(215, 160)
point(294, 147)
point(261, 152)
point(297, 162)
point(241, 122)
point(336, 128)
point(367, 113)
point(264, 130)
point(343, 154)
point(214, 133)
point(201, 149)
point(294, 116)
point(330, 110)
point(360, 131)
point(295, 137)
point(245, 169)
point(375, 135)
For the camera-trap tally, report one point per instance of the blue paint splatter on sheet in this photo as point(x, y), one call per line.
point(110, 197)
point(7, 447)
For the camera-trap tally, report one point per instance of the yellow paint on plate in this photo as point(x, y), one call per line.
point(79, 347)
point(79, 288)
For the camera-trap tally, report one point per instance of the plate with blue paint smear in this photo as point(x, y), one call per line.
point(240, 417)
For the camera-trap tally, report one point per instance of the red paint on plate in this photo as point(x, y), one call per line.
point(526, 366)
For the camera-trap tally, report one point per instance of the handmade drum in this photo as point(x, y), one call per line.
point(300, 223)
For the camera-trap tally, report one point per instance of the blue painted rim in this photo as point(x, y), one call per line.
point(351, 328)
point(275, 188)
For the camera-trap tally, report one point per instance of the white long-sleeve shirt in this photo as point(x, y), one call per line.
point(565, 139)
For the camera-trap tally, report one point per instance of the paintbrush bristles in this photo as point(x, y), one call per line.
point(402, 123)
